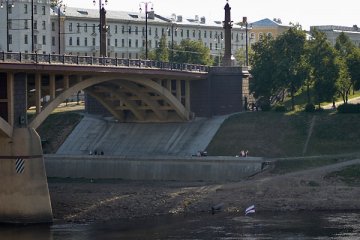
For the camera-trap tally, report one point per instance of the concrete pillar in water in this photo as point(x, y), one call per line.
point(24, 193)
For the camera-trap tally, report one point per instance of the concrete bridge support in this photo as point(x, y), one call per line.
point(24, 194)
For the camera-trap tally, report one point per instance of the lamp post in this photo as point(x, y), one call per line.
point(7, 20)
point(172, 40)
point(245, 23)
point(102, 27)
point(146, 25)
point(59, 6)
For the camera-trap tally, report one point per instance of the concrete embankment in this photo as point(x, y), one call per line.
point(152, 168)
point(134, 139)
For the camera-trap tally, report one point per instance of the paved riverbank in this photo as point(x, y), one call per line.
point(87, 201)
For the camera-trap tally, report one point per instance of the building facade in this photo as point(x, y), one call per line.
point(76, 31)
point(266, 27)
point(17, 34)
point(332, 32)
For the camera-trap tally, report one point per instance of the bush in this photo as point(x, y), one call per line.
point(310, 107)
point(349, 108)
point(280, 108)
point(264, 104)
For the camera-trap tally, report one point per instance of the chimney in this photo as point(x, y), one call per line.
point(179, 18)
point(202, 20)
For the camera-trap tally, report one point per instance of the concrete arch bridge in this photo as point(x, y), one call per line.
point(131, 90)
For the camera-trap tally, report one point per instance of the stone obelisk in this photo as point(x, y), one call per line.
point(227, 26)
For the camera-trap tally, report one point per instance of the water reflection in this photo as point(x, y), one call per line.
point(307, 225)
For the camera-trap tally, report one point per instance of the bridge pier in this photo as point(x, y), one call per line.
point(24, 194)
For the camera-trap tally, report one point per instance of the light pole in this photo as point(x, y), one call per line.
point(245, 23)
point(146, 25)
point(102, 27)
point(172, 40)
point(7, 20)
point(59, 6)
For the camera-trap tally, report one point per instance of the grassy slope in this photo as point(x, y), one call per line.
point(274, 134)
point(56, 128)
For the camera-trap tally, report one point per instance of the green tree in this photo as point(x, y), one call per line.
point(291, 70)
point(263, 83)
point(325, 68)
point(162, 52)
point(190, 51)
point(343, 83)
point(353, 64)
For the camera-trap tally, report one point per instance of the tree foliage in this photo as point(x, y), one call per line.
point(190, 51)
point(325, 67)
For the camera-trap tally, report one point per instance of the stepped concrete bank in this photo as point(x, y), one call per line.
point(152, 167)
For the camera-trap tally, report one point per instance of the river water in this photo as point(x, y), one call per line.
point(304, 225)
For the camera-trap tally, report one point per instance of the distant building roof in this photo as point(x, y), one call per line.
point(266, 22)
point(140, 17)
point(335, 28)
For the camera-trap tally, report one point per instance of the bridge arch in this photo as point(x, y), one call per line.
point(130, 82)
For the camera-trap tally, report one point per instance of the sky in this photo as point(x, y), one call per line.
point(306, 12)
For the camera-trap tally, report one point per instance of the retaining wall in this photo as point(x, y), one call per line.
point(152, 168)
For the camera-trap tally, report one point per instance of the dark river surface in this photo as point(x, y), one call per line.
point(304, 225)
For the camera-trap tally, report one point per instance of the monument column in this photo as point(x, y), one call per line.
point(227, 24)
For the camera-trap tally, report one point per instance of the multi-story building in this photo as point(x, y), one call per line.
point(332, 32)
point(78, 31)
point(266, 27)
point(17, 34)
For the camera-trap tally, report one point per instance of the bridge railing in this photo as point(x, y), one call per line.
point(36, 58)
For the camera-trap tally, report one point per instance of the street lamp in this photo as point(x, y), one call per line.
point(146, 25)
point(59, 6)
point(172, 39)
point(245, 23)
point(102, 27)
point(7, 20)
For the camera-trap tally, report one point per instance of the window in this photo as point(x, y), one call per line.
point(129, 43)
point(136, 30)
point(53, 26)
point(93, 28)
point(116, 42)
point(70, 41)
point(188, 33)
point(26, 39)
point(53, 41)
point(193, 34)
point(108, 42)
point(10, 39)
point(156, 32)
point(210, 34)
point(199, 34)
point(176, 30)
point(210, 46)
point(26, 24)
point(116, 29)
point(93, 41)
point(85, 42)
point(182, 32)
point(78, 41)
point(149, 44)
point(85, 27)
point(44, 40)
point(204, 34)
point(43, 10)
point(150, 31)
point(78, 27)
point(143, 31)
point(122, 42)
point(136, 43)
point(43, 25)
point(10, 6)
point(35, 39)
point(25, 8)
point(129, 29)
point(70, 27)
point(122, 29)
point(169, 33)
point(35, 24)
point(162, 31)
point(35, 9)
